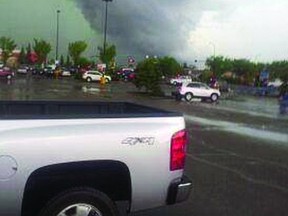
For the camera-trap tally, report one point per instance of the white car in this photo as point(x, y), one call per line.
point(276, 83)
point(65, 72)
point(180, 80)
point(198, 90)
point(22, 69)
point(90, 76)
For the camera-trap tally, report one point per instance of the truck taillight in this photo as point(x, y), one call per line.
point(179, 143)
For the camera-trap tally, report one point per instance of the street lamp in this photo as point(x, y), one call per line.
point(105, 28)
point(57, 35)
point(213, 68)
point(214, 47)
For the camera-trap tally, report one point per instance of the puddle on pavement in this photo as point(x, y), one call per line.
point(91, 90)
point(266, 107)
point(95, 90)
point(240, 129)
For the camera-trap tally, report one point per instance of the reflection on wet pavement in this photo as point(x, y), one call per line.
point(42, 88)
point(240, 129)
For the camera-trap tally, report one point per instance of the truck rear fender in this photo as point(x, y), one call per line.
point(108, 176)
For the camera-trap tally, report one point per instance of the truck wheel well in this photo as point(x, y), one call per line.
point(109, 177)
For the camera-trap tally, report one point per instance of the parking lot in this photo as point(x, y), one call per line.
point(237, 157)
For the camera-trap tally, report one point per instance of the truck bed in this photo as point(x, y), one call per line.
point(77, 109)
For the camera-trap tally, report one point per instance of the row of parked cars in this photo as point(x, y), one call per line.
point(48, 71)
point(8, 73)
point(124, 74)
point(88, 75)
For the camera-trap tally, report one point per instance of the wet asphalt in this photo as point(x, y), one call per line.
point(237, 155)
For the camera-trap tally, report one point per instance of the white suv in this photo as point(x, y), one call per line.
point(95, 76)
point(198, 90)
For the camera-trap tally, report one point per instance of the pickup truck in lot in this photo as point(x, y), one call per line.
point(84, 158)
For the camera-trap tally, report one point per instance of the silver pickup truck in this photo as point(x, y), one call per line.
point(84, 158)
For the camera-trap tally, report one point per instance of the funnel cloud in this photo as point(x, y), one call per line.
point(193, 29)
point(144, 27)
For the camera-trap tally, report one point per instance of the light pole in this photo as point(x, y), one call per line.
point(214, 48)
point(105, 28)
point(213, 68)
point(57, 35)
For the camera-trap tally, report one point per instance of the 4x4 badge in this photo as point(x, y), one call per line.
point(138, 140)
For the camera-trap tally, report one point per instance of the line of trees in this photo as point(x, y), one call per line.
point(150, 71)
point(43, 48)
point(167, 66)
point(245, 69)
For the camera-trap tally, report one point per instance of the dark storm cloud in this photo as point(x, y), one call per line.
point(140, 27)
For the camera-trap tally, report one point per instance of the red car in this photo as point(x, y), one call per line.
point(6, 72)
point(126, 74)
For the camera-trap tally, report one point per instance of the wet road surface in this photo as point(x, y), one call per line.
point(237, 156)
point(232, 175)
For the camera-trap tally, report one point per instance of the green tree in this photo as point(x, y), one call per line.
point(62, 62)
point(284, 77)
point(219, 65)
point(278, 69)
point(109, 55)
point(68, 62)
point(75, 50)
point(83, 62)
point(149, 76)
point(22, 56)
point(42, 49)
point(245, 69)
point(28, 54)
point(7, 45)
point(169, 66)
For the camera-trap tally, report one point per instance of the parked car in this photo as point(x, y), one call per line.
point(23, 69)
point(37, 70)
point(180, 79)
point(90, 76)
point(6, 72)
point(198, 90)
point(276, 83)
point(65, 72)
point(223, 86)
point(126, 74)
point(73, 70)
point(267, 91)
point(49, 71)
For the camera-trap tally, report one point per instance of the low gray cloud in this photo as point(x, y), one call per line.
point(146, 27)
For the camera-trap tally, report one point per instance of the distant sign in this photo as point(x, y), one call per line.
point(131, 60)
point(264, 75)
point(101, 67)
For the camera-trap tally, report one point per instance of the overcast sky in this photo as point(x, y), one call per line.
point(24, 20)
point(186, 29)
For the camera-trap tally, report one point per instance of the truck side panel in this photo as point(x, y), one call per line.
point(142, 144)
